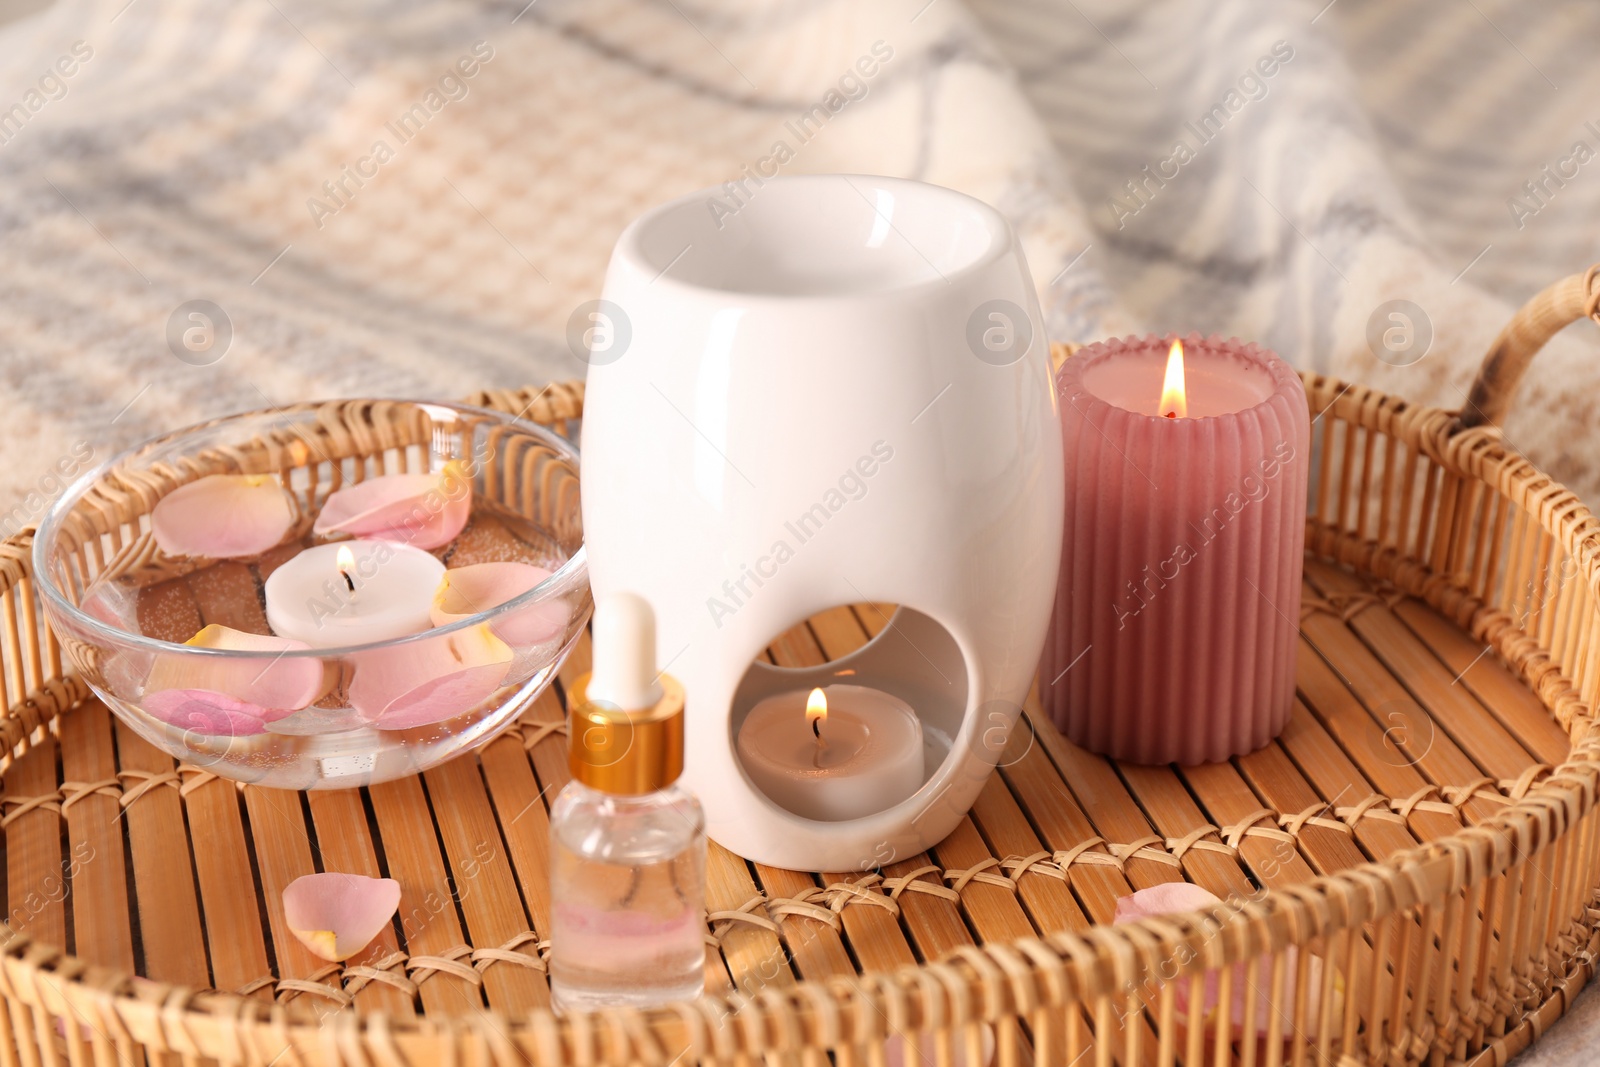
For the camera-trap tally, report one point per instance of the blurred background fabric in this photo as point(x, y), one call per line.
point(153, 154)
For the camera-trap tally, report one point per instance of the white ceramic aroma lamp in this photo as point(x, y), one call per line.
point(839, 393)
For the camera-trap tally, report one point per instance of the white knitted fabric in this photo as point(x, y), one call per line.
point(229, 151)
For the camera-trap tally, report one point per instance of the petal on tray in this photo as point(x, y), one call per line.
point(337, 915)
point(1175, 897)
point(465, 591)
point(223, 516)
point(1168, 898)
point(424, 510)
point(962, 1052)
point(232, 686)
point(420, 682)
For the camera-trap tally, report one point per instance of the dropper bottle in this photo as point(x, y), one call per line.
point(628, 845)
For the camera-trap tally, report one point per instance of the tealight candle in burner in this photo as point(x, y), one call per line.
point(833, 754)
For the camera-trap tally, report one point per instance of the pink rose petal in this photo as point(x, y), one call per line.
point(421, 682)
point(113, 605)
point(466, 591)
point(894, 1050)
point(424, 510)
point(337, 915)
point(205, 712)
point(121, 669)
point(267, 689)
point(223, 516)
point(1172, 898)
point(1168, 898)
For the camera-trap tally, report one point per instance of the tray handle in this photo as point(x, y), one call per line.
point(1540, 319)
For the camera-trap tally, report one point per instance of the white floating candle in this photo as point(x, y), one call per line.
point(833, 754)
point(353, 593)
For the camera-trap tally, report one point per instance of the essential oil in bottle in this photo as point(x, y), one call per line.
point(628, 844)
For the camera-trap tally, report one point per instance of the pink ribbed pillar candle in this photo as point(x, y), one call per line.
point(1173, 637)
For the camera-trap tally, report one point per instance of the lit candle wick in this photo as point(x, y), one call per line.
point(816, 711)
point(1174, 393)
point(346, 562)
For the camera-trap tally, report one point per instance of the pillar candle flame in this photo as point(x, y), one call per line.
point(1174, 395)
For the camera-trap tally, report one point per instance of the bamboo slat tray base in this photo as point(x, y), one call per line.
point(1404, 730)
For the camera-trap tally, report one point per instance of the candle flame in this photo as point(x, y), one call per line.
point(345, 560)
point(817, 711)
point(1174, 394)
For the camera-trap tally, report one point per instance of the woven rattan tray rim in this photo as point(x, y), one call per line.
point(1015, 978)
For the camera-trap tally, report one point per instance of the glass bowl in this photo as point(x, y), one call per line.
point(123, 592)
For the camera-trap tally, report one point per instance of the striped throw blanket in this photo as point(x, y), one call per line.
point(210, 206)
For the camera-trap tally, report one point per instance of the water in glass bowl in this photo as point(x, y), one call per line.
point(335, 741)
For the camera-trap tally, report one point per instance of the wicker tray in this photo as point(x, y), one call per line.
point(1424, 827)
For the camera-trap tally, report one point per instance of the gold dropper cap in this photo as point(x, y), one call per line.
point(626, 752)
point(627, 737)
